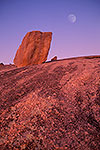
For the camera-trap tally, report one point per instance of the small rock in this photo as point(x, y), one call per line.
point(54, 58)
point(1, 64)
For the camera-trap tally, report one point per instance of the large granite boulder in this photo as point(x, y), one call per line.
point(33, 49)
point(52, 106)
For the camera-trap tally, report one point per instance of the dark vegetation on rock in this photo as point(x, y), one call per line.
point(54, 105)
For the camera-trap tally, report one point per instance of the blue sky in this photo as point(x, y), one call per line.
point(17, 17)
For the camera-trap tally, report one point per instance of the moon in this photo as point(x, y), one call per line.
point(72, 18)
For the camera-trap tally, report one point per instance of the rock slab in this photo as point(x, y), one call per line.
point(52, 106)
point(33, 49)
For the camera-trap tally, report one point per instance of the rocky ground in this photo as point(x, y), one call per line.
point(51, 106)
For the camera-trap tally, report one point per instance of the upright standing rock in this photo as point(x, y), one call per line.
point(33, 49)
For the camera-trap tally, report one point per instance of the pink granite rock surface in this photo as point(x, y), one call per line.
point(51, 106)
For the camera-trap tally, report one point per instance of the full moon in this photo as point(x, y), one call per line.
point(72, 18)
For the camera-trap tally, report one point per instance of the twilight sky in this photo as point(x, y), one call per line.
point(17, 17)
